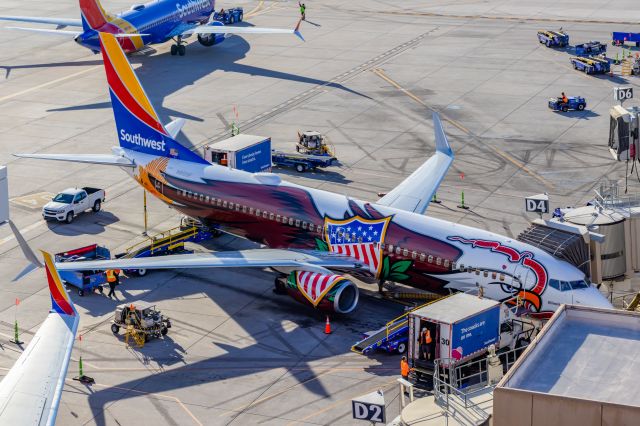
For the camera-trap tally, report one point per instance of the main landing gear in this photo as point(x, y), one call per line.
point(178, 48)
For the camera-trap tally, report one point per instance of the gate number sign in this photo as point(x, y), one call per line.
point(622, 93)
point(537, 203)
point(369, 407)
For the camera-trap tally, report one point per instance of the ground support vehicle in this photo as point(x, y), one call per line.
point(301, 162)
point(229, 16)
point(71, 202)
point(141, 320)
point(84, 281)
point(243, 152)
point(590, 48)
point(591, 65)
point(619, 38)
point(553, 38)
point(391, 338)
point(313, 143)
point(575, 103)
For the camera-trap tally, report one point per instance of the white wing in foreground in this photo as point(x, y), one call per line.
point(30, 392)
point(223, 29)
point(416, 192)
point(60, 22)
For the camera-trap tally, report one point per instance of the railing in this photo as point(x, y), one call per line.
point(166, 238)
point(628, 300)
point(395, 323)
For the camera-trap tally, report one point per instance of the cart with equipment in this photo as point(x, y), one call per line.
point(84, 281)
point(574, 102)
point(553, 38)
point(229, 16)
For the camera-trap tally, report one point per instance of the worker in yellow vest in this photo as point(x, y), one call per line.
point(113, 280)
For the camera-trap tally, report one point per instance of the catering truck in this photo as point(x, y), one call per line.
point(243, 152)
point(463, 327)
point(66, 205)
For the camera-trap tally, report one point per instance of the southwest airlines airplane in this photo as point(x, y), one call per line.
point(150, 23)
point(314, 237)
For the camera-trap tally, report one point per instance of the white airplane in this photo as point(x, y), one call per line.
point(315, 236)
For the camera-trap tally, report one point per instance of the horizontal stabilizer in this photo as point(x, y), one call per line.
point(416, 192)
point(102, 159)
point(61, 22)
point(174, 127)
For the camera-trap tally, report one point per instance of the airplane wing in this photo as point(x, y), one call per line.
point(223, 29)
point(70, 33)
point(102, 159)
point(60, 22)
point(284, 260)
point(30, 392)
point(416, 192)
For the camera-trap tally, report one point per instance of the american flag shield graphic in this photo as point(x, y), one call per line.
point(358, 238)
point(314, 286)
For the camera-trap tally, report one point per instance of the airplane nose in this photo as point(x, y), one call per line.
point(592, 297)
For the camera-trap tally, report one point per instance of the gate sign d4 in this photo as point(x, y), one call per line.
point(537, 203)
point(369, 407)
point(622, 93)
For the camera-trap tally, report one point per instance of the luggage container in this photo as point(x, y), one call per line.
point(243, 152)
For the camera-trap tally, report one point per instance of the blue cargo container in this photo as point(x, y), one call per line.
point(243, 152)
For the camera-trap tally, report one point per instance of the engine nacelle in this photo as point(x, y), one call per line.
point(326, 292)
point(211, 39)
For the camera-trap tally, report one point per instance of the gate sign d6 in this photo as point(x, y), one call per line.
point(369, 407)
point(622, 93)
point(537, 203)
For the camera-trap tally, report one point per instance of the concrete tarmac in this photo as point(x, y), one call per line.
point(368, 76)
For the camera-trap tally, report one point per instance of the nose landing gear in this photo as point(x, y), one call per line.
point(178, 48)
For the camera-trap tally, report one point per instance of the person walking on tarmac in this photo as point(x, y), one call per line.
point(425, 343)
point(113, 280)
point(303, 9)
point(404, 368)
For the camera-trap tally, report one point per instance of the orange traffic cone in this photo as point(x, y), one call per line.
point(327, 326)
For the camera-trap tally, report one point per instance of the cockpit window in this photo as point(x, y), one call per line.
point(568, 285)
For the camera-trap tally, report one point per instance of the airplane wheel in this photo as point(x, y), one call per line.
point(174, 50)
point(115, 329)
point(182, 50)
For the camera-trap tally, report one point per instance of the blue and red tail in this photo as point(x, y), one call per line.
point(60, 301)
point(138, 125)
point(93, 15)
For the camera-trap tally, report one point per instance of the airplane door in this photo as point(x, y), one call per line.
point(159, 186)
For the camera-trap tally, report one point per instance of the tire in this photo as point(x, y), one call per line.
point(580, 107)
point(279, 287)
point(299, 168)
point(141, 272)
point(565, 109)
point(182, 50)
point(174, 50)
point(80, 292)
point(240, 17)
point(97, 206)
point(402, 348)
point(115, 329)
point(100, 289)
point(164, 331)
point(146, 337)
point(69, 217)
point(231, 20)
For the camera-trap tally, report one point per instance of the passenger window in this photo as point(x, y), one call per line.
point(237, 207)
point(405, 252)
point(291, 221)
point(265, 214)
point(297, 223)
point(390, 248)
point(501, 277)
point(446, 263)
point(284, 220)
point(304, 225)
point(206, 199)
point(231, 205)
point(414, 255)
point(422, 257)
point(251, 210)
point(430, 259)
point(258, 212)
point(219, 202)
point(278, 218)
point(398, 249)
point(224, 204)
point(438, 261)
point(271, 216)
point(244, 209)
point(202, 197)
point(493, 275)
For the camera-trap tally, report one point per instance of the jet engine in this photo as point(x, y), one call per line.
point(326, 292)
point(211, 39)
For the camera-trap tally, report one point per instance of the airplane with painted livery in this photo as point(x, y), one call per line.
point(145, 24)
point(315, 238)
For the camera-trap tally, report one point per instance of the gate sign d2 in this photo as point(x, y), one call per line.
point(369, 407)
point(622, 93)
point(537, 203)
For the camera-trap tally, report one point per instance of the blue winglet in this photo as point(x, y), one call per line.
point(296, 30)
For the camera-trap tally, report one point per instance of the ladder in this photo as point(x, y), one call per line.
point(131, 333)
point(633, 305)
point(626, 67)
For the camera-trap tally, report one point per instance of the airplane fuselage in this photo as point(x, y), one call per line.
point(158, 20)
point(396, 245)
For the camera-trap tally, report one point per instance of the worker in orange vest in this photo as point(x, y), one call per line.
point(404, 368)
point(113, 280)
point(425, 343)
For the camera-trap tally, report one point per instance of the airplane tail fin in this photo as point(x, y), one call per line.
point(138, 125)
point(60, 300)
point(93, 15)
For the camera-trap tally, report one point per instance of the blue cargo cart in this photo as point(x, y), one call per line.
point(577, 103)
point(620, 38)
point(553, 38)
point(302, 162)
point(590, 48)
point(84, 281)
point(229, 16)
point(391, 338)
point(591, 65)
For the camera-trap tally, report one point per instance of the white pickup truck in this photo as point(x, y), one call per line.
point(72, 202)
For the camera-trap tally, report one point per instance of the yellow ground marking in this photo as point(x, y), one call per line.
point(499, 152)
point(255, 9)
point(49, 83)
point(159, 395)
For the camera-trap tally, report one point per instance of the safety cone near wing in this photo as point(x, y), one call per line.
point(327, 326)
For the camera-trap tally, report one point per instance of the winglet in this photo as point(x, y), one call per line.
point(296, 30)
point(24, 246)
point(442, 143)
point(60, 301)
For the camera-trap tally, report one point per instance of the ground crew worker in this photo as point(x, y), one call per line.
point(404, 368)
point(113, 280)
point(425, 343)
point(564, 98)
point(303, 8)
